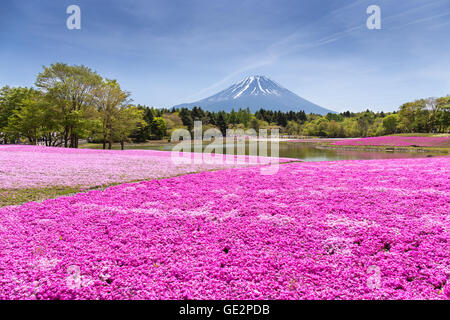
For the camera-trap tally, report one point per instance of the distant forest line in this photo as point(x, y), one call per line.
point(70, 103)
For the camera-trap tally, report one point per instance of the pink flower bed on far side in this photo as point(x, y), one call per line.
point(37, 167)
point(399, 141)
point(374, 229)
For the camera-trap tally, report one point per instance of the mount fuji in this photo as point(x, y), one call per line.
point(257, 92)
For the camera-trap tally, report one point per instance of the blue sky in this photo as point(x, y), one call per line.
point(173, 51)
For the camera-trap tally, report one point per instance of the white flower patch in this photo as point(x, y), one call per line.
point(434, 191)
point(131, 188)
point(150, 211)
point(201, 211)
point(103, 208)
point(151, 204)
point(75, 280)
point(278, 219)
point(429, 220)
point(267, 191)
point(218, 218)
point(334, 189)
point(46, 264)
point(230, 196)
point(334, 220)
point(46, 223)
point(220, 191)
point(338, 245)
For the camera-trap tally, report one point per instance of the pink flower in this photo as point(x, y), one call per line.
point(373, 229)
point(399, 141)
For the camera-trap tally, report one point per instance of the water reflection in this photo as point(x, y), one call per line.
point(306, 152)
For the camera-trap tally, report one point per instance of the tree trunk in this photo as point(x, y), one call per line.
point(73, 140)
point(66, 136)
point(122, 145)
point(32, 141)
point(110, 139)
point(109, 129)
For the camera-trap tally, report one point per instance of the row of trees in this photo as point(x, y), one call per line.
point(69, 103)
point(422, 116)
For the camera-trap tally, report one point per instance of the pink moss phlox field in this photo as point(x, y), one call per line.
point(37, 167)
point(399, 141)
point(374, 229)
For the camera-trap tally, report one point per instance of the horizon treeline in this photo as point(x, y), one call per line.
point(430, 115)
point(73, 103)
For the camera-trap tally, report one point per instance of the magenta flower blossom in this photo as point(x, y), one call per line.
point(37, 167)
point(333, 230)
point(399, 141)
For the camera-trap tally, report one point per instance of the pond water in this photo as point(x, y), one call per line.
point(303, 151)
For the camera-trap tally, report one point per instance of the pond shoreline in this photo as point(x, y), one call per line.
point(386, 149)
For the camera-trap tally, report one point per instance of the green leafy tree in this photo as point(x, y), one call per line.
point(334, 129)
point(257, 124)
point(335, 116)
point(27, 121)
point(390, 123)
point(293, 128)
point(159, 128)
point(173, 121)
point(71, 89)
point(351, 128)
point(443, 114)
point(143, 133)
point(413, 116)
point(222, 123)
point(186, 117)
point(11, 100)
point(126, 120)
point(109, 98)
point(364, 120)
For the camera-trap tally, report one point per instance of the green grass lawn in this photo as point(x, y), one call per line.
point(12, 197)
point(18, 196)
point(149, 145)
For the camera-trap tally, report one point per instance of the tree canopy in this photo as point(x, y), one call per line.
point(73, 102)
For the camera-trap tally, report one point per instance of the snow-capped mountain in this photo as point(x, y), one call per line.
point(256, 92)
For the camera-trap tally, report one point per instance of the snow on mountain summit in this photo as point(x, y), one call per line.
point(254, 85)
point(256, 92)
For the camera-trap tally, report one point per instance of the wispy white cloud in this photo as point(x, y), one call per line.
point(307, 38)
point(295, 42)
point(418, 21)
point(165, 50)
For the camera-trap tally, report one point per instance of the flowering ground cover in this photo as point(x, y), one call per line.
point(35, 173)
point(38, 167)
point(332, 230)
point(397, 141)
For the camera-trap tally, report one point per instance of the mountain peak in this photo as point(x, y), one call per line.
point(254, 86)
point(256, 92)
point(255, 77)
